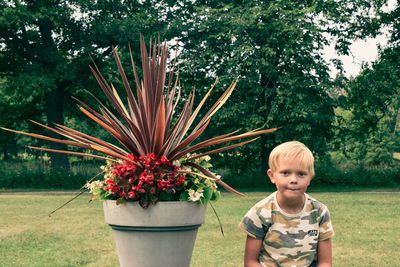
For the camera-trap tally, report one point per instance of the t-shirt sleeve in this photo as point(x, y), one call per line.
point(253, 225)
point(325, 226)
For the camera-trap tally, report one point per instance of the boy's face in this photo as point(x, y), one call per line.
point(291, 178)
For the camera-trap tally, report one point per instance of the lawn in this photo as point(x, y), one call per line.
point(367, 227)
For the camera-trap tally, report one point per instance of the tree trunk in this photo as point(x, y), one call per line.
point(55, 97)
point(267, 98)
point(396, 122)
point(10, 149)
point(5, 152)
point(396, 125)
point(266, 150)
point(55, 114)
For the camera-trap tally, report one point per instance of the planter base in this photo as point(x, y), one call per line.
point(162, 235)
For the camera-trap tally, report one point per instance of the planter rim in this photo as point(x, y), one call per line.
point(162, 214)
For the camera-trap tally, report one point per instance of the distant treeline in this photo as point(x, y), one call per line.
point(273, 48)
point(31, 174)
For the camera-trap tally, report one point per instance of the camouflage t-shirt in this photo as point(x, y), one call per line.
point(288, 239)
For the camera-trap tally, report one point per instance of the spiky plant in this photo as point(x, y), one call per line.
point(157, 157)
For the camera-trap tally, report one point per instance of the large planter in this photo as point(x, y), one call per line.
point(161, 235)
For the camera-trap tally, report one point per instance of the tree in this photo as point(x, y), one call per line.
point(45, 47)
point(368, 113)
point(273, 47)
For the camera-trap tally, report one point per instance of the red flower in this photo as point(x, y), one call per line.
point(154, 175)
point(146, 177)
point(132, 157)
point(153, 191)
point(162, 184)
point(117, 169)
point(164, 160)
point(113, 189)
point(181, 180)
point(151, 157)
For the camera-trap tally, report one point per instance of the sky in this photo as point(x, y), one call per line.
point(361, 51)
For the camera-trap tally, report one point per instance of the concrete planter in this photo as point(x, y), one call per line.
point(161, 235)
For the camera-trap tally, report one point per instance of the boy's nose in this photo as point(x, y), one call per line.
point(293, 179)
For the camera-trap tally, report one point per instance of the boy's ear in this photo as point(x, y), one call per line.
point(271, 175)
point(310, 180)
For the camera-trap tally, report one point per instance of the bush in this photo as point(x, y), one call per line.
point(327, 173)
point(330, 174)
point(248, 180)
point(34, 174)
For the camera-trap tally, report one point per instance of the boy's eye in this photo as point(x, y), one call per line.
point(285, 173)
point(302, 174)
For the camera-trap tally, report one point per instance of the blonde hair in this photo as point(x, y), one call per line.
point(292, 149)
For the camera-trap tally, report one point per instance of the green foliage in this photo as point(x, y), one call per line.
point(45, 47)
point(37, 174)
point(368, 116)
point(328, 173)
point(368, 106)
point(34, 174)
point(274, 49)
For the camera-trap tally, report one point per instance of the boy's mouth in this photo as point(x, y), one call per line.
point(293, 189)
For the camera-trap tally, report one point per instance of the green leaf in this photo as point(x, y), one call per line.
point(165, 196)
point(207, 193)
point(216, 196)
point(184, 196)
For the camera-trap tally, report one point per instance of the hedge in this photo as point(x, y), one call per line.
point(33, 174)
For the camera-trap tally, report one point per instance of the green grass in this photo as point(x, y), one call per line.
point(366, 225)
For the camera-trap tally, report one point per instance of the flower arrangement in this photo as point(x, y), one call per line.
point(156, 159)
point(150, 179)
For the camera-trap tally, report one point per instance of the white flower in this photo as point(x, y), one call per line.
point(206, 158)
point(195, 195)
point(212, 184)
point(176, 163)
point(94, 185)
point(186, 168)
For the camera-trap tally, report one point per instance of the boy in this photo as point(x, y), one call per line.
point(288, 228)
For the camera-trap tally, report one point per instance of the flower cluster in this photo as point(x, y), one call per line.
point(199, 188)
point(150, 179)
point(195, 195)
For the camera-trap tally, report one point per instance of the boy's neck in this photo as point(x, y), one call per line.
point(291, 206)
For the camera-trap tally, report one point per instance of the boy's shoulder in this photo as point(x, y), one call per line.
point(266, 203)
point(268, 206)
point(315, 205)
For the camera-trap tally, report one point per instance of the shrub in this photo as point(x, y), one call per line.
point(328, 173)
point(36, 174)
